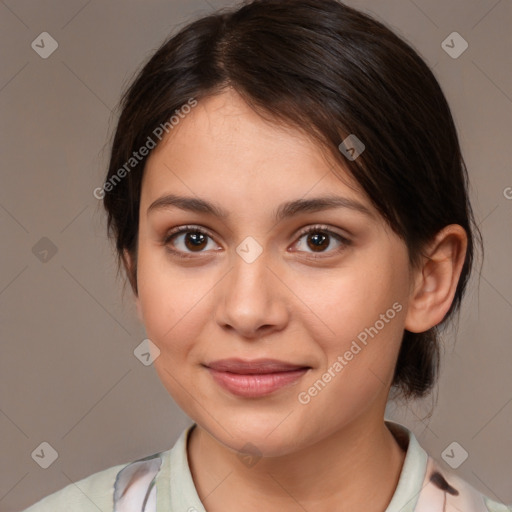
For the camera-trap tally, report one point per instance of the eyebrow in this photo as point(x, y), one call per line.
point(285, 210)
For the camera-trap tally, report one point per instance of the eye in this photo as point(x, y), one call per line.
point(186, 240)
point(319, 239)
point(193, 239)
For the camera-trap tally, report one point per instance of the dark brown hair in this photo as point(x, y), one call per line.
point(330, 71)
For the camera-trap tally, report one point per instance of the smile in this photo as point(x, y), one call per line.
point(255, 378)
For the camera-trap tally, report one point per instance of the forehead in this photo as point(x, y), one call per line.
point(224, 150)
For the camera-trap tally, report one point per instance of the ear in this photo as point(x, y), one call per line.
point(130, 265)
point(435, 282)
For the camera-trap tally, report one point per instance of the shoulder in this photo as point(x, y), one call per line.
point(427, 486)
point(98, 491)
point(445, 490)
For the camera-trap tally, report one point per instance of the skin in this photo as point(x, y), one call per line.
point(335, 452)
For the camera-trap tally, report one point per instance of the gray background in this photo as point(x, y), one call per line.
point(68, 373)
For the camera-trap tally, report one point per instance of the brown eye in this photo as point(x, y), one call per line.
point(195, 240)
point(186, 240)
point(318, 240)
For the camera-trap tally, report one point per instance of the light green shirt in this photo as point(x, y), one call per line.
point(162, 482)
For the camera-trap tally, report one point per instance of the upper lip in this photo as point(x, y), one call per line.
point(253, 366)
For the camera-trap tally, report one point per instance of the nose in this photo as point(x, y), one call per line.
point(252, 300)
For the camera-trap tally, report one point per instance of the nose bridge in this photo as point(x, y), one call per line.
point(250, 268)
point(249, 276)
point(251, 296)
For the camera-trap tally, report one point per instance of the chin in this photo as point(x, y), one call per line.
point(259, 444)
point(264, 434)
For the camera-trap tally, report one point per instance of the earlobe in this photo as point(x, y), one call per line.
point(435, 282)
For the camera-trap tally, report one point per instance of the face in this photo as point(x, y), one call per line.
point(321, 291)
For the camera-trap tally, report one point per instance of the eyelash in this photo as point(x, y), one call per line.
point(312, 229)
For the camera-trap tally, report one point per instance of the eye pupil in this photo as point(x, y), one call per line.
point(196, 238)
point(320, 238)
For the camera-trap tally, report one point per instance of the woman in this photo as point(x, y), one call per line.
point(296, 232)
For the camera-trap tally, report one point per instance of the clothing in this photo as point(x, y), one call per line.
point(162, 482)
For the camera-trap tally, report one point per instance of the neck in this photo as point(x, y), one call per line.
point(357, 464)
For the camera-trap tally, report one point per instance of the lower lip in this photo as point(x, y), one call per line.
point(255, 385)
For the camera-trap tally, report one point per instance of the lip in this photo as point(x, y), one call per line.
point(255, 378)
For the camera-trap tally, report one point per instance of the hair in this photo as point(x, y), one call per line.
point(329, 71)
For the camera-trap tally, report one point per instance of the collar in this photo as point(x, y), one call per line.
point(176, 490)
point(413, 471)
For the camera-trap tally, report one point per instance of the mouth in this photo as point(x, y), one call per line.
point(255, 378)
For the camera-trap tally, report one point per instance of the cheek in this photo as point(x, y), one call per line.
point(171, 301)
point(346, 302)
point(173, 315)
point(359, 317)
